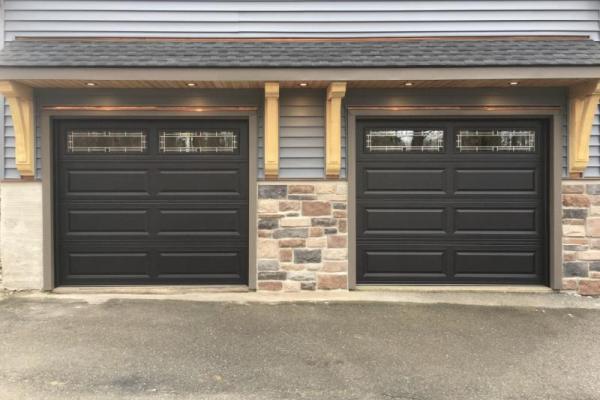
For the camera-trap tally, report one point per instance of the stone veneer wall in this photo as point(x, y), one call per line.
point(581, 236)
point(302, 236)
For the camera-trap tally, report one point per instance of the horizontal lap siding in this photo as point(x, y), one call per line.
point(298, 18)
point(301, 155)
point(302, 133)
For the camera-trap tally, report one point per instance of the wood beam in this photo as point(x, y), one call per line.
point(271, 156)
point(20, 100)
point(333, 129)
point(583, 104)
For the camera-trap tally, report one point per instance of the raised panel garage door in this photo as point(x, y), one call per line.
point(151, 201)
point(460, 201)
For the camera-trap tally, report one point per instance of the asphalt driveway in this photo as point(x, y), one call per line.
point(162, 349)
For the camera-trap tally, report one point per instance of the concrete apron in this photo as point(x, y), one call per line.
point(495, 296)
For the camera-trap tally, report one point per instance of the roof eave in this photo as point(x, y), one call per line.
point(286, 74)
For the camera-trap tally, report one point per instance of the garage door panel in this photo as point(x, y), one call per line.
point(473, 210)
point(94, 263)
point(403, 221)
point(107, 183)
point(209, 263)
point(498, 181)
point(495, 262)
point(496, 221)
point(107, 222)
point(386, 181)
point(211, 182)
point(202, 222)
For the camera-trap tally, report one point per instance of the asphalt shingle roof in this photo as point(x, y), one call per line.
point(308, 54)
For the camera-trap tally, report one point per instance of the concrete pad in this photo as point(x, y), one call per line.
point(57, 348)
point(542, 298)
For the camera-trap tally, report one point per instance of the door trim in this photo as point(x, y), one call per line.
point(47, 155)
point(554, 143)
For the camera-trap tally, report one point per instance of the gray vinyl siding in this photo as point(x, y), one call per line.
point(302, 135)
point(298, 18)
point(593, 169)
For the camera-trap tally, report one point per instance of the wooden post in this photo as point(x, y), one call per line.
point(333, 129)
point(271, 146)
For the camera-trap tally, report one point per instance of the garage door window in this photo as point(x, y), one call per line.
point(495, 140)
point(404, 140)
point(199, 142)
point(106, 142)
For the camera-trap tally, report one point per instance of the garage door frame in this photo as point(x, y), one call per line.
point(551, 114)
point(48, 116)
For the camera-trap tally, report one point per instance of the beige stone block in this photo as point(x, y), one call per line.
point(335, 266)
point(575, 200)
point(292, 267)
point(335, 254)
point(572, 188)
point(589, 287)
point(291, 286)
point(337, 241)
point(268, 206)
point(316, 208)
point(573, 230)
point(595, 210)
point(289, 205)
point(315, 232)
point(268, 248)
point(292, 242)
point(301, 189)
point(316, 242)
point(342, 188)
point(593, 226)
point(326, 187)
point(332, 281)
point(589, 255)
point(270, 285)
point(569, 284)
point(294, 221)
point(286, 255)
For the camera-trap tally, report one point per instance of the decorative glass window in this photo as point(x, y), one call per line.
point(106, 142)
point(496, 140)
point(405, 140)
point(199, 142)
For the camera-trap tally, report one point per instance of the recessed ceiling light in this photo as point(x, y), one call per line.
point(513, 83)
point(91, 84)
point(190, 84)
point(408, 83)
point(303, 84)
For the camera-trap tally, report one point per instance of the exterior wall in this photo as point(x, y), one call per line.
point(581, 235)
point(21, 236)
point(299, 18)
point(302, 236)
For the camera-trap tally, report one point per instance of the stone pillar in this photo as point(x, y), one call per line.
point(302, 236)
point(21, 235)
point(581, 236)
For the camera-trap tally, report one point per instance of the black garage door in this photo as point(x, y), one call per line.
point(151, 201)
point(451, 201)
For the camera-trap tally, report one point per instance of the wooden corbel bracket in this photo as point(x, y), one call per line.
point(583, 105)
point(20, 100)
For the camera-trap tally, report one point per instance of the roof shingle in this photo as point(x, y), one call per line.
point(300, 54)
